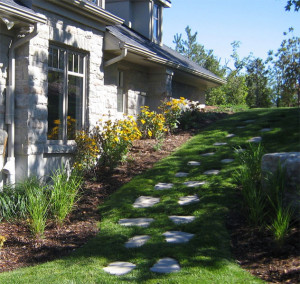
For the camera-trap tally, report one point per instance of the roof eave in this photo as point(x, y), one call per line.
point(21, 14)
point(85, 7)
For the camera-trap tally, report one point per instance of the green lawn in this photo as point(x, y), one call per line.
point(207, 257)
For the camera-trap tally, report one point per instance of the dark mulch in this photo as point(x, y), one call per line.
point(252, 249)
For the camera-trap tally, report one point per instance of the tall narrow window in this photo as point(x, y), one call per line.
point(120, 93)
point(66, 93)
point(156, 22)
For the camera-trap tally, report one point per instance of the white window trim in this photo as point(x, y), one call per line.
point(159, 23)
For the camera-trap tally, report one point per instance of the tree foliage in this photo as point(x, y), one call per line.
point(292, 3)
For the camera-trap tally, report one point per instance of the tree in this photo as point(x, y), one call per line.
point(197, 52)
point(292, 3)
point(287, 71)
point(257, 83)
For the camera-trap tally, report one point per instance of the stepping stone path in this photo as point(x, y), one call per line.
point(137, 241)
point(220, 143)
point(265, 129)
point(182, 219)
point(163, 186)
point(208, 154)
point(255, 139)
point(194, 183)
point(166, 265)
point(145, 201)
point(227, 161)
point(240, 127)
point(211, 172)
point(193, 163)
point(249, 120)
point(177, 237)
point(119, 268)
point(181, 174)
point(230, 135)
point(186, 200)
point(140, 222)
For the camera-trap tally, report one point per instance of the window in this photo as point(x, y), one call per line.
point(99, 3)
point(120, 93)
point(66, 93)
point(156, 22)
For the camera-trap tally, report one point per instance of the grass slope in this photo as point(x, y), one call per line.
point(206, 258)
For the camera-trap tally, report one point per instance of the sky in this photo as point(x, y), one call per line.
point(257, 24)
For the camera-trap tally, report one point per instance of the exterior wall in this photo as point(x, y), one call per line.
point(35, 155)
point(188, 92)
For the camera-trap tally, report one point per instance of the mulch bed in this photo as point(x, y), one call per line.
point(253, 250)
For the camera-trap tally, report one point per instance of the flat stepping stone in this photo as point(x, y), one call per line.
point(119, 268)
point(137, 241)
point(186, 200)
point(140, 222)
point(227, 161)
point(240, 127)
point(208, 154)
point(220, 143)
point(166, 265)
point(211, 172)
point(182, 219)
point(193, 163)
point(145, 201)
point(181, 174)
point(163, 186)
point(194, 183)
point(230, 135)
point(249, 120)
point(177, 237)
point(255, 139)
point(265, 129)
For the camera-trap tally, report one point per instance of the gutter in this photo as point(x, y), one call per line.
point(10, 167)
point(123, 54)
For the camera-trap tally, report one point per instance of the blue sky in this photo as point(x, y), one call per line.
point(257, 24)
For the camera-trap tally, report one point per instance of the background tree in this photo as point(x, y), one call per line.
point(293, 3)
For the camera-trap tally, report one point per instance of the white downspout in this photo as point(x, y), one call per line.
point(118, 58)
point(10, 166)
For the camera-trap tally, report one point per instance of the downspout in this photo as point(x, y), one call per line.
point(118, 58)
point(10, 167)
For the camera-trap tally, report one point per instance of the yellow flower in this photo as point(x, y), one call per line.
point(150, 133)
point(143, 121)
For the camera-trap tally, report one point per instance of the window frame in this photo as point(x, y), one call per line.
point(120, 91)
point(156, 22)
point(66, 73)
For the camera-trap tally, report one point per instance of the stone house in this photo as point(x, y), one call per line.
point(64, 63)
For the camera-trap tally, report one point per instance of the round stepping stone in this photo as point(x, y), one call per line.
point(119, 268)
point(137, 241)
point(165, 265)
point(193, 163)
point(208, 154)
point(177, 237)
point(220, 143)
point(265, 129)
point(186, 200)
point(211, 172)
point(181, 174)
point(227, 161)
point(140, 222)
point(145, 201)
point(230, 135)
point(255, 139)
point(162, 186)
point(182, 219)
point(194, 183)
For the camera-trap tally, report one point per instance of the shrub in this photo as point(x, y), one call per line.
point(64, 193)
point(151, 123)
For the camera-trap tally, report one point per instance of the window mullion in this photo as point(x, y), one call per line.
point(65, 99)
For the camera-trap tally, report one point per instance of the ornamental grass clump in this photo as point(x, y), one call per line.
point(64, 194)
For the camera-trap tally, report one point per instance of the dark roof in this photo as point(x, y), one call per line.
point(17, 4)
point(129, 36)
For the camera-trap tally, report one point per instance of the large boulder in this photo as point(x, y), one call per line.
point(290, 163)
